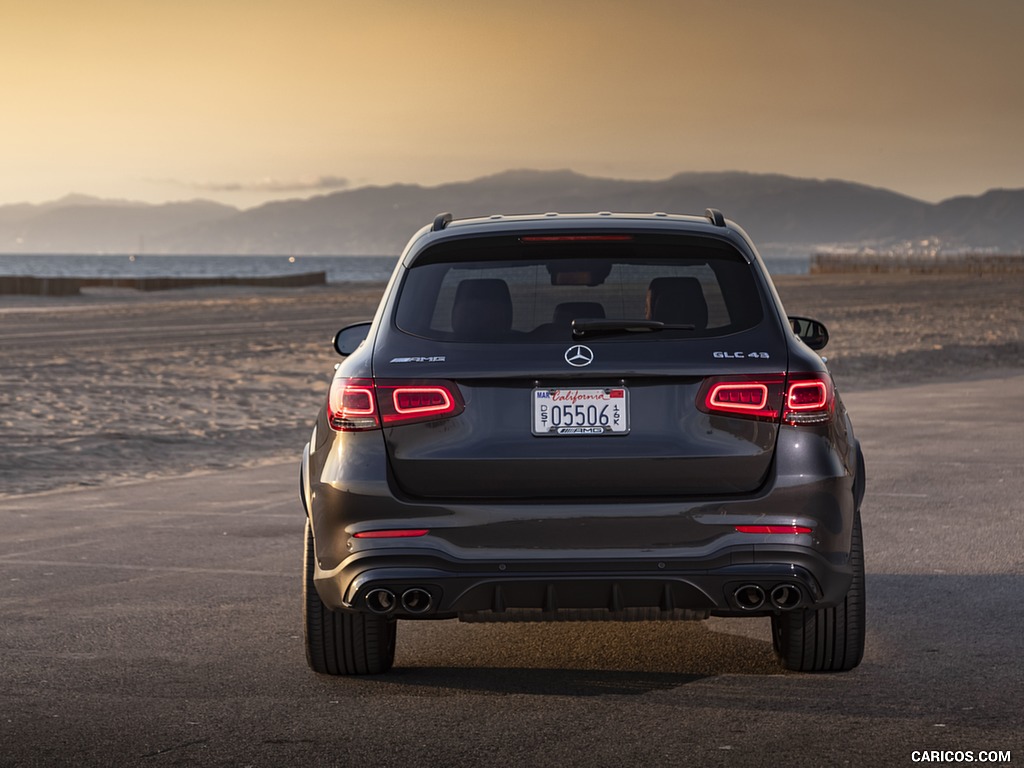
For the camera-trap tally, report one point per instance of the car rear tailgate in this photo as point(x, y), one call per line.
point(492, 450)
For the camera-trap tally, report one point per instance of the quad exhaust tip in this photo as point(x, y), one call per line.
point(381, 601)
point(414, 600)
point(749, 597)
point(785, 597)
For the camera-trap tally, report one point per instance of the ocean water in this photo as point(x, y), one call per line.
point(358, 269)
point(362, 269)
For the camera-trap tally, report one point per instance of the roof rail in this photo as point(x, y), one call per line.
point(714, 216)
point(441, 221)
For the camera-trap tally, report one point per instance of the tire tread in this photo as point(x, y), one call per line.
point(827, 639)
point(338, 642)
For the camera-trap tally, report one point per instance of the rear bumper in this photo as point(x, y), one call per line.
point(419, 583)
point(608, 558)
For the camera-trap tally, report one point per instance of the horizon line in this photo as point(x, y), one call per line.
point(70, 197)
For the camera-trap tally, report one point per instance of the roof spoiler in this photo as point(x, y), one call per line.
point(442, 220)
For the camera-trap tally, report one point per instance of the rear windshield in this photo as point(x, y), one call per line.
point(501, 291)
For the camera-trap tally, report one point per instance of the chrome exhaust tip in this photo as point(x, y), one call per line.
point(785, 597)
point(381, 601)
point(416, 600)
point(749, 597)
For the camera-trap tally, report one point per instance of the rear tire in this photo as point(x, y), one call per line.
point(828, 639)
point(341, 643)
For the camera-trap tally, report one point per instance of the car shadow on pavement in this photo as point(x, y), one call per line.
point(540, 682)
point(580, 659)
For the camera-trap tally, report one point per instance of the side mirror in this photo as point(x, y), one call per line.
point(810, 332)
point(348, 339)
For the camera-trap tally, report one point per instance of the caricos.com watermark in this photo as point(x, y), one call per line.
point(961, 756)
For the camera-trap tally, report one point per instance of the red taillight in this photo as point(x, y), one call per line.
point(800, 398)
point(394, 533)
point(779, 529)
point(351, 405)
point(407, 402)
point(756, 397)
point(809, 399)
point(418, 402)
point(739, 397)
point(360, 404)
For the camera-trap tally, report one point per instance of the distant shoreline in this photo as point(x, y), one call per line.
point(68, 274)
point(916, 263)
point(72, 286)
point(85, 268)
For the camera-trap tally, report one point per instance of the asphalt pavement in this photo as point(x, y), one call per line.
point(159, 623)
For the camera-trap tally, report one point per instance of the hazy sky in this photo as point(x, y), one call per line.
point(247, 100)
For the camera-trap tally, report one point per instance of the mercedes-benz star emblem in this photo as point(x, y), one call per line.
point(579, 356)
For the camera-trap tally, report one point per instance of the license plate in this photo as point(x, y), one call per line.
point(575, 412)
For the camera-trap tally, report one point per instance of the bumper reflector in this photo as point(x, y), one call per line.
point(396, 533)
point(785, 529)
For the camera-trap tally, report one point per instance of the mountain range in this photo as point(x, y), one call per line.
point(782, 214)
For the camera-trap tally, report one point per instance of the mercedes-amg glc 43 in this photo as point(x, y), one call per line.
point(582, 418)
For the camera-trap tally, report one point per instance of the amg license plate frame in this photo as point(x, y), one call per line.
point(580, 411)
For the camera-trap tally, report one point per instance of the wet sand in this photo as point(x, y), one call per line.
point(117, 385)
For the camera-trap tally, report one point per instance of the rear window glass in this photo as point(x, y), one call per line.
point(480, 291)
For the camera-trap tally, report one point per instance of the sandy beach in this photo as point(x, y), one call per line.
point(116, 386)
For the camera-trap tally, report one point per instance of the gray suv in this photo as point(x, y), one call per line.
point(582, 417)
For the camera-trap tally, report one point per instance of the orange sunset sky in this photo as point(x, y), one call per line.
point(244, 102)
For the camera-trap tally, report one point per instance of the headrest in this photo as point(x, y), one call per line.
point(677, 300)
point(482, 307)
